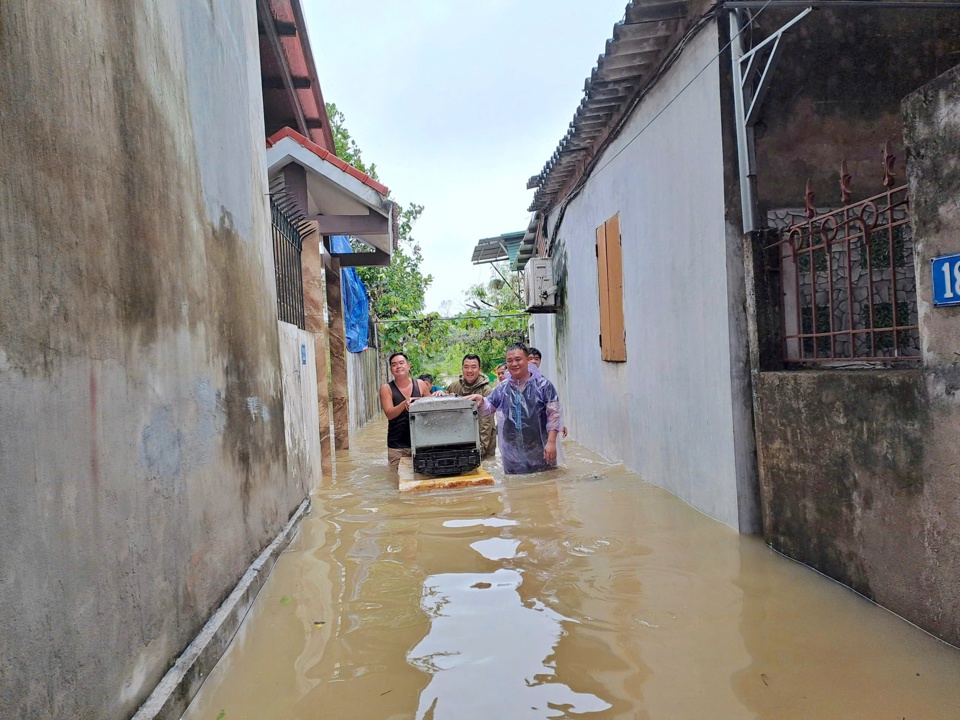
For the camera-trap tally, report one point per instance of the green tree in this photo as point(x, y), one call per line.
point(433, 344)
point(344, 145)
point(398, 290)
point(494, 319)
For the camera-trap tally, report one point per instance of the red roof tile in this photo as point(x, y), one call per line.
point(310, 145)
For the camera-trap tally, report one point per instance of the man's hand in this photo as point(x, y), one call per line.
point(478, 399)
point(564, 431)
point(550, 452)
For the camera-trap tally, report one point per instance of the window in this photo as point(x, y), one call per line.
point(848, 283)
point(613, 336)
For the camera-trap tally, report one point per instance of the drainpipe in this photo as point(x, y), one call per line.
point(748, 97)
point(744, 133)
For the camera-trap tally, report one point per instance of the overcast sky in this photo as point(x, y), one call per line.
point(458, 104)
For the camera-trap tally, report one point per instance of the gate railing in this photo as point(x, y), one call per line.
point(848, 280)
point(287, 247)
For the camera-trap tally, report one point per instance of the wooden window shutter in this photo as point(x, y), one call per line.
point(613, 341)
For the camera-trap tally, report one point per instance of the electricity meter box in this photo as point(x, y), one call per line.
point(444, 435)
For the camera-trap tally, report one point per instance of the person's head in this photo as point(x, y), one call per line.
point(501, 371)
point(399, 365)
point(534, 356)
point(427, 378)
point(517, 358)
point(471, 368)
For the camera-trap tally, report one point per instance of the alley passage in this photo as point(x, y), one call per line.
point(580, 593)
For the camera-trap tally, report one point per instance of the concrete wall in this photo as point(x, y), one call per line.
point(542, 332)
point(142, 445)
point(677, 410)
point(301, 411)
point(836, 94)
point(364, 387)
point(859, 470)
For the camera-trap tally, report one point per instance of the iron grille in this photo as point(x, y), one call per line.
point(287, 247)
point(849, 283)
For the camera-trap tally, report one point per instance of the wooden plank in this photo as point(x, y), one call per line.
point(616, 350)
point(602, 283)
point(415, 482)
point(371, 224)
point(377, 258)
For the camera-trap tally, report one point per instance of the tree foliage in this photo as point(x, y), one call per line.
point(344, 145)
point(493, 320)
point(397, 293)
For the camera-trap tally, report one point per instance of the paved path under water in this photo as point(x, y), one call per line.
point(582, 592)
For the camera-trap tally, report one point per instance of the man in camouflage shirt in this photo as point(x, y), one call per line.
point(474, 382)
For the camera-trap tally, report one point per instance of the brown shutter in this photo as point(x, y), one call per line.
point(616, 348)
point(604, 289)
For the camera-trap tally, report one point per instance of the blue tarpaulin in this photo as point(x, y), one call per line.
point(356, 304)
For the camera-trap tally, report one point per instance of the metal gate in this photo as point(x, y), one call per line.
point(287, 246)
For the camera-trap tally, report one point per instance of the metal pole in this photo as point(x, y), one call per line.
point(744, 134)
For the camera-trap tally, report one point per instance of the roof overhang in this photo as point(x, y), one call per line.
point(335, 196)
point(528, 244)
point(497, 248)
point(640, 45)
point(291, 91)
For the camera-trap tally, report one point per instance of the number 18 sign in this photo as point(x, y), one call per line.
point(946, 280)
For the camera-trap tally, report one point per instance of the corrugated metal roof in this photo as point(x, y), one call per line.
point(497, 248)
point(640, 43)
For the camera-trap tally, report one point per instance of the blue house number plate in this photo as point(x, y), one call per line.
point(946, 280)
point(303, 354)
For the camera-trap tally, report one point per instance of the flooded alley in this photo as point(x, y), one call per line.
point(583, 592)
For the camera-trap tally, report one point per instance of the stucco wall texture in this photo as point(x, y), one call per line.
point(860, 475)
point(671, 411)
point(141, 418)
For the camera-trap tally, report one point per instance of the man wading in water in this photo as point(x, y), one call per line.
point(396, 397)
point(532, 416)
point(473, 382)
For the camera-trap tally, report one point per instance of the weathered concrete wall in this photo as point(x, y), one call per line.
point(672, 410)
point(835, 95)
point(141, 418)
point(845, 488)
point(315, 313)
point(860, 471)
point(364, 387)
point(932, 137)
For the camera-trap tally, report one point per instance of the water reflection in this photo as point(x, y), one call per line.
point(489, 654)
point(580, 592)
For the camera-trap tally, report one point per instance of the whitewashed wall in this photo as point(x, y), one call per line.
point(301, 416)
point(670, 411)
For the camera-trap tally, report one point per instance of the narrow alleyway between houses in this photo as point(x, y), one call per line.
point(579, 593)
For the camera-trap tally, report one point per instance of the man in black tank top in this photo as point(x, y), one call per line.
point(396, 397)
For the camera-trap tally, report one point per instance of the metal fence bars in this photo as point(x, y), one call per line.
point(287, 246)
point(849, 283)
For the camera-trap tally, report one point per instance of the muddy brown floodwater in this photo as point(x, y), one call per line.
point(582, 592)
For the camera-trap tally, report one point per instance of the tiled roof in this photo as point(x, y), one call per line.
point(639, 45)
point(291, 90)
point(328, 156)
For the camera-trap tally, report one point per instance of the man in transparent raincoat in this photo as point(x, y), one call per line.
point(530, 415)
